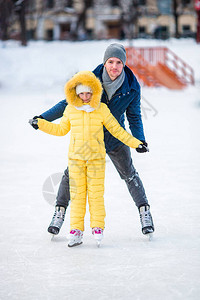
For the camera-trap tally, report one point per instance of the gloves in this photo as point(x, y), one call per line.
point(142, 147)
point(34, 122)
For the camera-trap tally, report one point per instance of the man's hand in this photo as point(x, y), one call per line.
point(142, 148)
point(34, 122)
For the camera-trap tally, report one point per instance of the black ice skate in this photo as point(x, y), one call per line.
point(57, 220)
point(146, 220)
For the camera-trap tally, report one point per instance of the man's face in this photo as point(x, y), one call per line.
point(114, 67)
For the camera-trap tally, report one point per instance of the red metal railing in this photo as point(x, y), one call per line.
point(144, 62)
point(140, 67)
point(179, 67)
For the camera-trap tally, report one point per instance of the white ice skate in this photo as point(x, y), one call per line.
point(98, 235)
point(75, 237)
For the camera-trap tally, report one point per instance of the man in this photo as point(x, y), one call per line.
point(121, 93)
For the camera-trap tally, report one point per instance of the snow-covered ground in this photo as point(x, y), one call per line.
point(127, 265)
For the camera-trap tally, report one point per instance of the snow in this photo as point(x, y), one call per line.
point(127, 265)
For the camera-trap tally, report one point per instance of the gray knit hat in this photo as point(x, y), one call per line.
point(115, 50)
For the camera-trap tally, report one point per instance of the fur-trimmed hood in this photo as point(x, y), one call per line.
point(86, 78)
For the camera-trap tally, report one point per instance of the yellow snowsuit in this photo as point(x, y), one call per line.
point(87, 150)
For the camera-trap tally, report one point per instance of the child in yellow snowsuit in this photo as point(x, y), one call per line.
point(85, 116)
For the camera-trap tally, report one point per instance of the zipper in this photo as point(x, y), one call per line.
point(73, 144)
point(106, 96)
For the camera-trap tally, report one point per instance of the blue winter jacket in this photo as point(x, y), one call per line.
point(125, 100)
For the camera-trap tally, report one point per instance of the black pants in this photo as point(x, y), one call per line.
point(121, 158)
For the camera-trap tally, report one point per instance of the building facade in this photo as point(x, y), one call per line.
point(104, 19)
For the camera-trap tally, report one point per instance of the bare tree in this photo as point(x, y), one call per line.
point(6, 8)
point(129, 17)
point(19, 7)
point(81, 22)
point(175, 12)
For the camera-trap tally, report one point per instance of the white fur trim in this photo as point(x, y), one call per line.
point(86, 108)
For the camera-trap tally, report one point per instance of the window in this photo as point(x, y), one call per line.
point(90, 3)
point(186, 2)
point(31, 5)
point(142, 32)
point(142, 29)
point(114, 2)
point(187, 31)
point(65, 31)
point(164, 7)
point(49, 34)
point(186, 28)
point(50, 3)
point(30, 34)
point(142, 2)
point(161, 32)
point(69, 3)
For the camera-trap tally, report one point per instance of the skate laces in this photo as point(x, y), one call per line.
point(59, 213)
point(97, 230)
point(145, 217)
point(75, 237)
point(76, 232)
point(58, 217)
point(98, 234)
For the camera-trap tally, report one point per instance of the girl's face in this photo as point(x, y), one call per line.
point(85, 97)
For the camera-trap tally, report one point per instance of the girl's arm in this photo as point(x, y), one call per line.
point(117, 131)
point(55, 129)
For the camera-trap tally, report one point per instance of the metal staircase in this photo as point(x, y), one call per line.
point(159, 66)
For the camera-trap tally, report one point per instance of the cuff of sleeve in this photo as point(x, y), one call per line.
point(40, 122)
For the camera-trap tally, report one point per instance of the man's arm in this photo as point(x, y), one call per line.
point(133, 114)
point(55, 112)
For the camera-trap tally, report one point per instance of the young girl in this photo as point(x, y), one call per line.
point(85, 116)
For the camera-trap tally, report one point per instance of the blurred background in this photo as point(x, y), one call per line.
point(78, 20)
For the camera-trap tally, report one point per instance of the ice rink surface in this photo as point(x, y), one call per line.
point(126, 266)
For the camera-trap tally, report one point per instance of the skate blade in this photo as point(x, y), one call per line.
point(149, 236)
point(98, 243)
point(52, 236)
point(73, 245)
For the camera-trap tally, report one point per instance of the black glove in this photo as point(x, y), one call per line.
point(34, 122)
point(142, 147)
